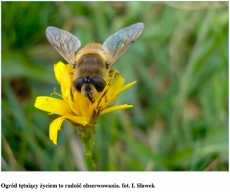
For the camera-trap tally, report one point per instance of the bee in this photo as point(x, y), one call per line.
point(92, 63)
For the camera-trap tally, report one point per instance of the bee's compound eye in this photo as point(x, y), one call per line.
point(99, 83)
point(78, 84)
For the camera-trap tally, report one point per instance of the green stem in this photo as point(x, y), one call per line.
point(88, 145)
point(89, 162)
point(86, 135)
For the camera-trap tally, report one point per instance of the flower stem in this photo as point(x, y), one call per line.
point(88, 145)
point(86, 135)
point(89, 162)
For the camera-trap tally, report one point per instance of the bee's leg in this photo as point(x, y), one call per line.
point(89, 97)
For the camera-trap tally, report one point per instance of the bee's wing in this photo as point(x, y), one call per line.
point(122, 40)
point(64, 42)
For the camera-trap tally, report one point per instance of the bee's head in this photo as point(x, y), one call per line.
point(89, 86)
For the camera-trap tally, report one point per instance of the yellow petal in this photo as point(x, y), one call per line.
point(78, 120)
point(52, 105)
point(114, 82)
point(69, 68)
point(100, 99)
point(117, 84)
point(58, 71)
point(84, 104)
point(55, 126)
point(121, 90)
point(113, 108)
point(74, 107)
point(64, 75)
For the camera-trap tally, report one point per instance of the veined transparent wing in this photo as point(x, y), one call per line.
point(122, 40)
point(64, 42)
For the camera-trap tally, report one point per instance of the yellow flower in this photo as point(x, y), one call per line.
point(76, 108)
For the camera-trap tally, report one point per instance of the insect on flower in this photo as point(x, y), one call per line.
point(92, 63)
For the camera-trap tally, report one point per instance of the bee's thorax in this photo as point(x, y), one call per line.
point(91, 65)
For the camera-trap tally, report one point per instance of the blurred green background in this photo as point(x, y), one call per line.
point(180, 116)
